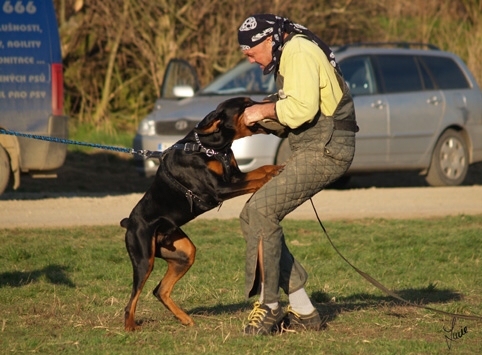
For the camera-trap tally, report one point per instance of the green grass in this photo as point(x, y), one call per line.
point(64, 290)
point(103, 135)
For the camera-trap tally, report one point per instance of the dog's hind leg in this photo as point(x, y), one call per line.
point(142, 258)
point(179, 252)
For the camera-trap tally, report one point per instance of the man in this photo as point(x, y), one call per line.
point(314, 110)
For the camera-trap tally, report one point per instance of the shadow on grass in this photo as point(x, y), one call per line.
point(360, 301)
point(54, 274)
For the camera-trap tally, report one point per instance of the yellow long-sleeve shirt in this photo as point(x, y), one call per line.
point(310, 83)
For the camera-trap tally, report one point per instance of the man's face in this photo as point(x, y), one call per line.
point(261, 53)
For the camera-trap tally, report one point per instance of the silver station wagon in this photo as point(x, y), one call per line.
point(417, 109)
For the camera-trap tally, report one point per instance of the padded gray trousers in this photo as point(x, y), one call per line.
point(320, 155)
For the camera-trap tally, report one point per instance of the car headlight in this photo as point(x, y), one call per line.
point(146, 128)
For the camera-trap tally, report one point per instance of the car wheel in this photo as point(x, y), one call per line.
point(341, 183)
point(284, 152)
point(4, 169)
point(450, 160)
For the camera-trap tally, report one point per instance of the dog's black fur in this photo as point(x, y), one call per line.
point(194, 176)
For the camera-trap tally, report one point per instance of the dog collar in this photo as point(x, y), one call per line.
point(209, 151)
point(187, 147)
point(223, 157)
point(196, 147)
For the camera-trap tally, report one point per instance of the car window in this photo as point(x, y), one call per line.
point(446, 72)
point(400, 73)
point(178, 72)
point(358, 73)
point(427, 79)
point(245, 78)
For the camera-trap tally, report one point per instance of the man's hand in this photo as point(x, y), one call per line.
point(256, 113)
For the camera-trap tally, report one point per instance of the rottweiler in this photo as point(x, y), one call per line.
point(195, 175)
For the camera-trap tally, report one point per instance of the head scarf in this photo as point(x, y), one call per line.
point(256, 28)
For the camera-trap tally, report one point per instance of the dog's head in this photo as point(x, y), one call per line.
point(225, 124)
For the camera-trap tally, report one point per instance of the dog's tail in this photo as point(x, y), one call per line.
point(125, 223)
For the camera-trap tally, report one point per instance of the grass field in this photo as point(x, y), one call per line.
point(64, 290)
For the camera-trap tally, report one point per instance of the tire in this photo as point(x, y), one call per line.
point(284, 152)
point(450, 160)
point(4, 170)
point(341, 183)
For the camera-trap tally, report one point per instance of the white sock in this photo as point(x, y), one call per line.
point(261, 299)
point(300, 302)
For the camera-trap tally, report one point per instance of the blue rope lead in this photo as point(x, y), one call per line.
point(144, 153)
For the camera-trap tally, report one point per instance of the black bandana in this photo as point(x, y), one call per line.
point(256, 28)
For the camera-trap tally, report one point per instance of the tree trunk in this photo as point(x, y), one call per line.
point(106, 91)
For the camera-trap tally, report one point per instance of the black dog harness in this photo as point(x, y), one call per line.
point(223, 157)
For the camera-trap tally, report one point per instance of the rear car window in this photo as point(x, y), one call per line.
point(400, 73)
point(446, 73)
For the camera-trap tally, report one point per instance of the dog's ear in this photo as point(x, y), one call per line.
point(234, 109)
point(207, 119)
point(210, 123)
point(226, 119)
point(238, 104)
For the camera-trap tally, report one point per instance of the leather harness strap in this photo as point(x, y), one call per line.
point(223, 157)
point(190, 195)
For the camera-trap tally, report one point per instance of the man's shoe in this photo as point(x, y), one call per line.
point(300, 322)
point(263, 320)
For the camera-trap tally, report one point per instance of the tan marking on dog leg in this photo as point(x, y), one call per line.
point(179, 257)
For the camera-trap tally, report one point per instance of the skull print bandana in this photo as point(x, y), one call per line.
point(256, 28)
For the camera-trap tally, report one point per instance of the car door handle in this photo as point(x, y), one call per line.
point(378, 104)
point(434, 100)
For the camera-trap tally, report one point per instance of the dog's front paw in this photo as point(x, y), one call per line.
point(270, 171)
point(275, 170)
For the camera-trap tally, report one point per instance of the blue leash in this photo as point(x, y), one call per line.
point(141, 152)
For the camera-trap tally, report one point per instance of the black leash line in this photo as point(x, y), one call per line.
point(381, 287)
point(144, 153)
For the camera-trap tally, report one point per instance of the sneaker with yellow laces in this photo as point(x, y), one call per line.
point(300, 322)
point(263, 320)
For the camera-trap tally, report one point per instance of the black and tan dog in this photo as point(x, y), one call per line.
point(195, 175)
